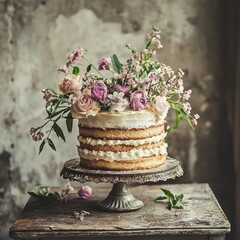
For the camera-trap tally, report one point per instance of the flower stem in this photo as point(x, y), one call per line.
point(93, 66)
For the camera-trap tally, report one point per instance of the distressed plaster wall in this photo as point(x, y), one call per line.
point(37, 35)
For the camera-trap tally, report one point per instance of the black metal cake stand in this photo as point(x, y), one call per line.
point(120, 198)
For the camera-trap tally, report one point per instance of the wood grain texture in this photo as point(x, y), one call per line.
point(201, 217)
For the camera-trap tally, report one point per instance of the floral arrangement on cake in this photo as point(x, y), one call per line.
point(140, 83)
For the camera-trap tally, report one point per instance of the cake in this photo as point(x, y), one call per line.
point(121, 108)
point(130, 140)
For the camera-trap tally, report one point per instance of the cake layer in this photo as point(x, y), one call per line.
point(120, 148)
point(122, 120)
point(135, 142)
point(133, 154)
point(121, 134)
point(138, 164)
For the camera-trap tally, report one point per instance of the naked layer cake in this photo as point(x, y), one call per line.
point(130, 140)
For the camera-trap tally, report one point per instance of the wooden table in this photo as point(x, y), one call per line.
point(201, 218)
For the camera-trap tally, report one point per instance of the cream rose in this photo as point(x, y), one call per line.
point(161, 107)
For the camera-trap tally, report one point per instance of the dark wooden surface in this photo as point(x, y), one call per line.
point(201, 218)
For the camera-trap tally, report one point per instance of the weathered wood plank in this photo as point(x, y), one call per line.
point(201, 215)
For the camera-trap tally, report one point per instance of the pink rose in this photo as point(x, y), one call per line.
point(69, 84)
point(138, 100)
point(85, 192)
point(99, 91)
point(104, 64)
point(120, 88)
point(84, 105)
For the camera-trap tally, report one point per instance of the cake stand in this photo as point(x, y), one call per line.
point(120, 198)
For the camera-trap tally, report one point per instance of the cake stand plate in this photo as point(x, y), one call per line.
point(120, 198)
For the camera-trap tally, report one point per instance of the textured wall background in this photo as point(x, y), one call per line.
point(37, 35)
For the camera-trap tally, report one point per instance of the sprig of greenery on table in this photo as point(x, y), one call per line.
point(43, 193)
point(173, 201)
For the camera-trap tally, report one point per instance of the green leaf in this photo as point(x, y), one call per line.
point(58, 131)
point(168, 193)
point(176, 119)
point(179, 198)
point(41, 146)
point(43, 193)
point(116, 64)
point(51, 144)
point(160, 198)
point(75, 70)
point(33, 189)
point(148, 44)
point(89, 67)
point(172, 201)
point(69, 122)
point(56, 113)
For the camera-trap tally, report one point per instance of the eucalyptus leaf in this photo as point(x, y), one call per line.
point(58, 131)
point(56, 113)
point(51, 144)
point(41, 146)
point(69, 122)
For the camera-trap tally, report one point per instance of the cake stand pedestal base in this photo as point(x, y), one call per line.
point(120, 199)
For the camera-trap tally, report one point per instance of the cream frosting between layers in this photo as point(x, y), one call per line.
point(132, 142)
point(123, 120)
point(118, 156)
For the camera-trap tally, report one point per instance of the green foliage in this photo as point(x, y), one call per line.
point(173, 201)
point(76, 70)
point(58, 131)
point(42, 146)
point(116, 63)
point(43, 193)
point(69, 122)
point(89, 67)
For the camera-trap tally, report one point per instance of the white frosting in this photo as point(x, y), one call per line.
point(133, 142)
point(118, 156)
point(122, 120)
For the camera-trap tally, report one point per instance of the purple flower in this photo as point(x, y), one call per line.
point(74, 56)
point(138, 100)
point(62, 69)
point(36, 136)
point(46, 95)
point(99, 91)
point(85, 192)
point(67, 198)
point(120, 88)
point(104, 64)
